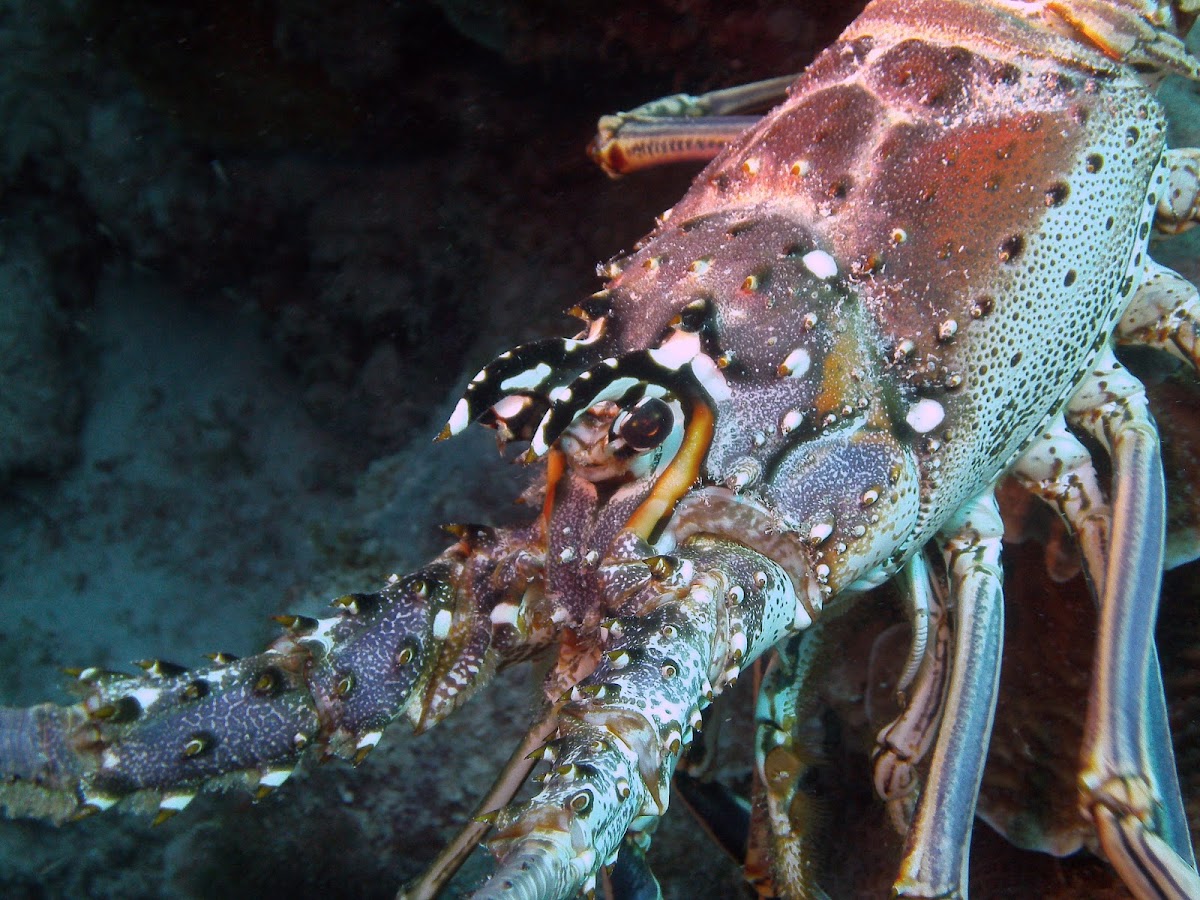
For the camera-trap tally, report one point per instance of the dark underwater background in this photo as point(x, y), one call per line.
point(250, 252)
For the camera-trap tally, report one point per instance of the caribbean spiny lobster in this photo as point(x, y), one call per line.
point(903, 284)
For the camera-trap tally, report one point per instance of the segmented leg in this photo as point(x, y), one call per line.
point(920, 603)
point(1128, 781)
point(1143, 38)
point(1164, 313)
point(903, 743)
point(1179, 207)
point(416, 648)
point(682, 127)
point(784, 758)
point(935, 858)
point(1057, 468)
point(708, 610)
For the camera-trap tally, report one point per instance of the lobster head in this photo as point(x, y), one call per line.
point(729, 381)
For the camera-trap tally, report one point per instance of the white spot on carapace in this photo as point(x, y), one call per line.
point(899, 236)
point(368, 740)
point(796, 364)
point(441, 624)
point(275, 777)
point(460, 418)
point(800, 617)
point(217, 677)
point(820, 532)
point(505, 614)
point(509, 407)
point(737, 644)
point(800, 168)
point(146, 696)
point(100, 801)
point(322, 635)
point(820, 264)
point(745, 471)
point(700, 266)
point(947, 330)
point(751, 166)
point(925, 415)
point(711, 378)
point(560, 394)
point(677, 350)
point(791, 421)
point(177, 802)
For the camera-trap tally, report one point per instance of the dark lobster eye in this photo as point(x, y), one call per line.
point(647, 425)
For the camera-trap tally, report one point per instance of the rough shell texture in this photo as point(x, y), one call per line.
point(327, 815)
point(849, 179)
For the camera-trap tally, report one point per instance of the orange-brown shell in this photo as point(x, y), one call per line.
point(973, 211)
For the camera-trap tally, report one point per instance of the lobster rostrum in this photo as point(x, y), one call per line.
point(901, 285)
